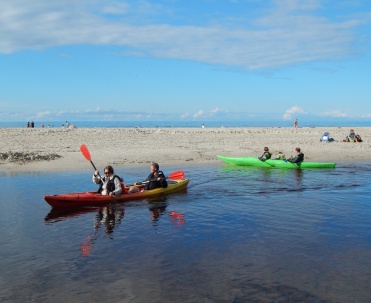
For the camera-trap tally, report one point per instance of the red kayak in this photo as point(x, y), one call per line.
point(94, 198)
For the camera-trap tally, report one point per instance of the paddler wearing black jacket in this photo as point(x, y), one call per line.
point(266, 154)
point(298, 158)
point(156, 179)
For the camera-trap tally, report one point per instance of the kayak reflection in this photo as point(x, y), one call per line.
point(61, 214)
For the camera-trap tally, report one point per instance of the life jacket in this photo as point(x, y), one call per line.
point(111, 184)
point(266, 155)
point(297, 159)
point(300, 158)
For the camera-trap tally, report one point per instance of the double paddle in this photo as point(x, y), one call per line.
point(177, 175)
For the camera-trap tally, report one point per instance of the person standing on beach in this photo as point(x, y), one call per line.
point(110, 184)
point(299, 157)
point(296, 123)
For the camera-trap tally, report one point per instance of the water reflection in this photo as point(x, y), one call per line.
point(109, 217)
point(87, 246)
point(299, 173)
point(157, 209)
point(61, 214)
point(274, 179)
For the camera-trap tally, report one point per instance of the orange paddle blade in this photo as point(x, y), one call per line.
point(85, 152)
point(177, 175)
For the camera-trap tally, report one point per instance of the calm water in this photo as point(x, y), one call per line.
point(248, 235)
point(256, 122)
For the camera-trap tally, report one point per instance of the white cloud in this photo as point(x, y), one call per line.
point(291, 32)
point(294, 5)
point(293, 110)
point(185, 115)
point(42, 115)
point(335, 113)
point(217, 110)
point(198, 114)
point(115, 8)
point(97, 110)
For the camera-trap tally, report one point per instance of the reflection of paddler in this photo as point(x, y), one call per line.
point(110, 216)
point(156, 212)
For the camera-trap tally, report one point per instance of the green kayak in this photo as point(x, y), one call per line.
point(252, 161)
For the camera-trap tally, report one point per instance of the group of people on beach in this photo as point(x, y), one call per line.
point(298, 158)
point(351, 137)
point(32, 125)
point(112, 185)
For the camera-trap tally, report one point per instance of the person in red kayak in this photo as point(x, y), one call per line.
point(156, 179)
point(110, 184)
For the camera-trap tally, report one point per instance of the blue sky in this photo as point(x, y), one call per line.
point(190, 60)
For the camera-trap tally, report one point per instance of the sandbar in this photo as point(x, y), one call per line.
point(47, 149)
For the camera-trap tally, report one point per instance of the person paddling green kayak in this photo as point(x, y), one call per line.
point(298, 158)
point(266, 154)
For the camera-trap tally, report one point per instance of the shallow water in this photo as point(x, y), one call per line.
point(248, 235)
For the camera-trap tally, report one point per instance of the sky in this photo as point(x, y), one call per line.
point(184, 60)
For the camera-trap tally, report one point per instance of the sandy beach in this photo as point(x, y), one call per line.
point(43, 149)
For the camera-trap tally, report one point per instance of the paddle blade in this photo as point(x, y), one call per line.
point(177, 175)
point(85, 152)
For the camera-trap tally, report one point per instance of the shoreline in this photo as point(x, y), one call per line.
point(48, 149)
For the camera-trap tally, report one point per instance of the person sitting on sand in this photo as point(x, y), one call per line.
point(326, 137)
point(266, 154)
point(156, 179)
point(110, 184)
point(351, 137)
point(299, 157)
